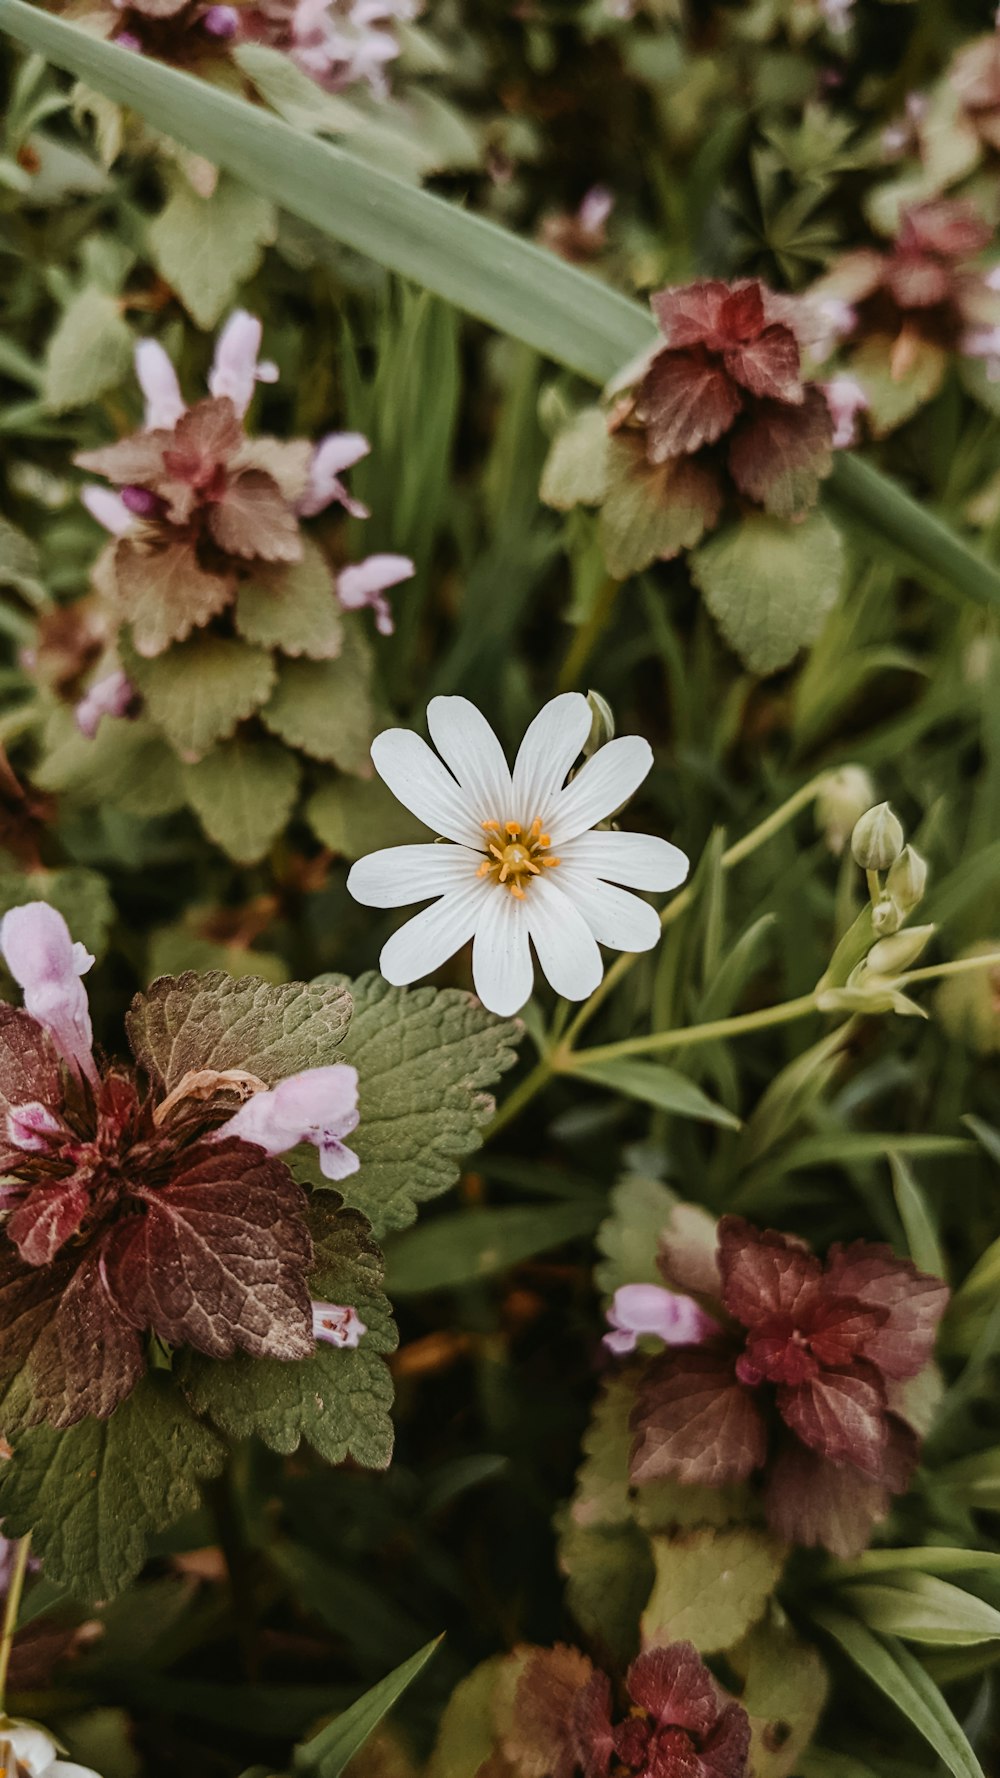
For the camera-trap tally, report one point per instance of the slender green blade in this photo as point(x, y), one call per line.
point(663, 1087)
point(328, 1753)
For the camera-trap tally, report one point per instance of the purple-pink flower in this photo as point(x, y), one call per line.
point(47, 966)
point(318, 1106)
point(638, 1309)
point(110, 695)
point(337, 1325)
point(365, 585)
point(846, 400)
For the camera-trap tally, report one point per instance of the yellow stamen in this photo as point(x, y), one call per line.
point(515, 853)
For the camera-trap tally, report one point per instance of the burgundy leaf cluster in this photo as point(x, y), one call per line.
point(673, 1721)
point(126, 1215)
point(725, 405)
point(802, 1387)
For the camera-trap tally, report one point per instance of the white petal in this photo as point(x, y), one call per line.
point(108, 508)
point(551, 743)
point(636, 860)
point(501, 957)
point(158, 382)
point(434, 935)
point(420, 782)
point(564, 943)
point(615, 917)
point(401, 874)
point(467, 744)
point(604, 784)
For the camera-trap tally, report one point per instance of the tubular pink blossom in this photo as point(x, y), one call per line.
point(29, 1126)
point(110, 696)
point(235, 369)
point(320, 1106)
point(44, 961)
point(158, 382)
point(337, 1324)
point(108, 508)
point(334, 453)
point(649, 1309)
point(365, 585)
point(846, 400)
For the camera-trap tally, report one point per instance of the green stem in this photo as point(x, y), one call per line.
point(960, 966)
point(588, 634)
point(521, 1096)
point(12, 1609)
point(686, 1036)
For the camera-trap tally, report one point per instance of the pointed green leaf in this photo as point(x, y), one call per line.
point(657, 1085)
point(923, 1608)
point(329, 1753)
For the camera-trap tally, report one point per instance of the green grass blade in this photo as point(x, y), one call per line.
point(519, 288)
point(328, 1753)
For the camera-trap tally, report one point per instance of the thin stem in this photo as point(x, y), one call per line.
point(588, 634)
point(686, 1036)
point(12, 1609)
point(521, 1096)
point(960, 966)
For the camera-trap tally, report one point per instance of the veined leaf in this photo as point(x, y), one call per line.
point(517, 287)
point(327, 1754)
point(663, 1087)
point(923, 1608)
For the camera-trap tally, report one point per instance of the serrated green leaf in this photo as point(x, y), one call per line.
point(609, 1571)
point(628, 1238)
point(900, 1677)
point(357, 815)
point(93, 1495)
point(89, 352)
point(425, 1057)
point(769, 585)
point(576, 468)
point(338, 1401)
point(479, 1243)
point(190, 1022)
point(923, 1608)
point(82, 897)
point(711, 1585)
point(652, 511)
point(326, 708)
point(127, 764)
point(292, 606)
point(200, 690)
point(655, 1084)
point(466, 1737)
point(603, 1493)
point(784, 1689)
point(243, 793)
point(328, 1754)
point(205, 248)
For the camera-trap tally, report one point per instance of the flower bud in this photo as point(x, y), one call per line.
point(969, 1005)
point(887, 917)
point(907, 880)
point(890, 956)
point(877, 839)
point(602, 727)
point(845, 796)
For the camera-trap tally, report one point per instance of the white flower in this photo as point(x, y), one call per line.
point(523, 864)
point(32, 1750)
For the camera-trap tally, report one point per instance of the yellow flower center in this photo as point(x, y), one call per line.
point(516, 854)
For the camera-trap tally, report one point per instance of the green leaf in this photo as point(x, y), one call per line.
point(93, 1495)
point(609, 1571)
point(918, 1225)
point(339, 1401)
point(329, 1753)
point(200, 690)
point(658, 1085)
point(891, 399)
point(897, 1674)
point(424, 1058)
point(973, 1481)
point(931, 1558)
point(467, 1732)
point(923, 1608)
point(89, 352)
point(205, 248)
point(127, 764)
point(189, 1022)
point(769, 585)
point(628, 1238)
point(325, 707)
point(292, 606)
point(456, 1250)
point(576, 469)
point(711, 1585)
point(652, 511)
point(243, 793)
point(357, 815)
point(784, 1689)
point(82, 897)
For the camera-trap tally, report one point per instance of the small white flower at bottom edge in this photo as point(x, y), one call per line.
point(524, 868)
point(36, 1752)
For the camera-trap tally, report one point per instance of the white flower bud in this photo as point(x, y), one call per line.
point(890, 956)
point(602, 728)
point(907, 880)
point(845, 796)
point(887, 917)
point(877, 839)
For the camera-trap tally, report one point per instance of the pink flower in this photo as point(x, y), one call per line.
point(846, 400)
point(336, 452)
point(596, 206)
point(110, 696)
point(649, 1309)
point(337, 1325)
point(29, 1126)
point(319, 1106)
point(235, 368)
point(221, 21)
point(158, 382)
point(108, 508)
point(365, 585)
point(47, 965)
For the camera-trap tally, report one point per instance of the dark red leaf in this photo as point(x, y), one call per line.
point(742, 317)
point(87, 1358)
point(779, 454)
point(842, 1415)
point(765, 1274)
point(164, 593)
point(136, 461)
point(685, 400)
point(690, 314)
point(842, 1329)
point(28, 1298)
point(675, 1686)
point(695, 1422)
point(542, 1736)
point(219, 1258)
point(726, 1752)
point(253, 519)
point(768, 365)
point(49, 1215)
point(950, 227)
point(913, 1302)
point(812, 1502)
point(29, 1073)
